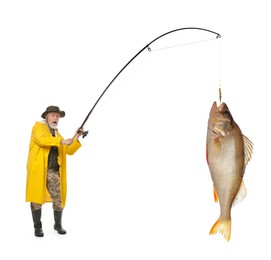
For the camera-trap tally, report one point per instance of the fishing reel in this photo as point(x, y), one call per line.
point(85, 133)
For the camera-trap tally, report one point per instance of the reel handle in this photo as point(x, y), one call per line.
point(85, 134)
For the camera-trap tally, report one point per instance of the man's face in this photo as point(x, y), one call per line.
point(52, 119)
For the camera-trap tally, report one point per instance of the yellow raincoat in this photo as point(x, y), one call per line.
point(40, 143)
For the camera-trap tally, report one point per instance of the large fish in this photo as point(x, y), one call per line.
point(228, 152)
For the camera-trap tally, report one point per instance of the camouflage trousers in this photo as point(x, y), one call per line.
point(53, 187)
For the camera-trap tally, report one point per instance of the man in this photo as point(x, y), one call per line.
point(46, 167)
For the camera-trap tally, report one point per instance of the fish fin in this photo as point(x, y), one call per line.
point(248, 149)
point(207, 154)
point(223, 227)
point(241, 194)
point(216, 198)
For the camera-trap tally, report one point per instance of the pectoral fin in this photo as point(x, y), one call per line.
point(248, 149)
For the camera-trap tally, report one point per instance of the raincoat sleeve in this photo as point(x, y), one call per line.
point(42, 137)
point(71, 149)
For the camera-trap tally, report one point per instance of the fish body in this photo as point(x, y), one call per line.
point(228, 152)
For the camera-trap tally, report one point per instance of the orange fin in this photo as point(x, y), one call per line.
point(223, 227)
point(216, 198)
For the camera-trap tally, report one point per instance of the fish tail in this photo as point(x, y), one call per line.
point(223, 227)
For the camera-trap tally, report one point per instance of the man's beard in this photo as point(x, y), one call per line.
point(53, 125)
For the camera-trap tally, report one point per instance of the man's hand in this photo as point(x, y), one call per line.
point(79, 132)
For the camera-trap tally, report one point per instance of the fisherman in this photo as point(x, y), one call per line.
point(46, 167)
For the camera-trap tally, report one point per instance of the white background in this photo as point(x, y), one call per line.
point(139, 188)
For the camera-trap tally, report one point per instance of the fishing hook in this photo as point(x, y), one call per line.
point(149, 49)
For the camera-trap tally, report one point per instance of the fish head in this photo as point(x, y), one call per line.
point(220, 119)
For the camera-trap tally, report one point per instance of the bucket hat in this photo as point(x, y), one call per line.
point(53, 109)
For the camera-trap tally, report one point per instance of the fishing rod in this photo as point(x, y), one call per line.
point(149, 49)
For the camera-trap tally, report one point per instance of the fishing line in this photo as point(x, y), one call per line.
point(219, 70)
point(182, 44)
point(149, 49)
point(113, 92)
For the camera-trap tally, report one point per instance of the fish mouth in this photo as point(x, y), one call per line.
point(220, 107)
point(221, 113)
point(220, 119)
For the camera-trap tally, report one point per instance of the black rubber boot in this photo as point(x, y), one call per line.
point(36, 214)
point(58, 223)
